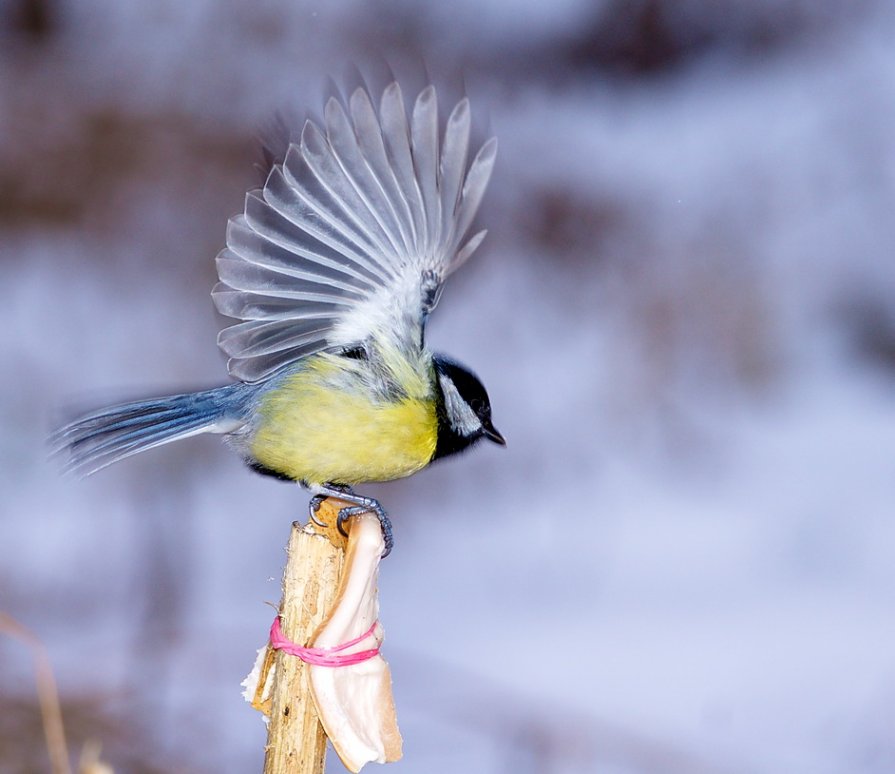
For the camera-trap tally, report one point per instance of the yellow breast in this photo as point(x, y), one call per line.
point(318, 426)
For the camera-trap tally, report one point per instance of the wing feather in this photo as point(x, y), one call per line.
point(453, 164)
point(396, 137)
point(256, 339)
point(346, 152)
point(254, 306)
point(474, 188)
point(425, 160)
point(343, 199)
point(372, 147)
point(294, 191)
point(352, 236)
point(297, 247)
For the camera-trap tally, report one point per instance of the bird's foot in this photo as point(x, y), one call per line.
point(359, 504)
point(369, 506)
point(332, 490)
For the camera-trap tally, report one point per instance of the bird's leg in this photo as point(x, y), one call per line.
point(359, 504)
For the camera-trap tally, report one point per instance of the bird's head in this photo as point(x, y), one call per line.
point(464, 410)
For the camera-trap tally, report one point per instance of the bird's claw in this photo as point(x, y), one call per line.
point(369, 506)
point(313, 507)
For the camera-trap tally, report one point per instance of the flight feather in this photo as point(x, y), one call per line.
point(352, 237)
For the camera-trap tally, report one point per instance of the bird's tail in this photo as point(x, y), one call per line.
point(102, 437)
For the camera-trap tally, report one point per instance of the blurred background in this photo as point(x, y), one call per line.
point(684, 312)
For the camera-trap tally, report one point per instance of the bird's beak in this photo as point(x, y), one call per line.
point(492, 434)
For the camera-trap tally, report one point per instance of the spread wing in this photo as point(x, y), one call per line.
point(353, 235)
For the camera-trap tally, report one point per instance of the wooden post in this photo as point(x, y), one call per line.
point(296, 742)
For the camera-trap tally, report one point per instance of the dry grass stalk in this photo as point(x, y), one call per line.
point(50, 710)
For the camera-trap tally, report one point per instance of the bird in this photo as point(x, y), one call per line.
point(332, 271)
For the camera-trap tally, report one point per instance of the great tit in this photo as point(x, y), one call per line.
point(333, 270)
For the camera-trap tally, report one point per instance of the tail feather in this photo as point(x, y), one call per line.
point(136, 408)
point(90, 429)
point(100, 438)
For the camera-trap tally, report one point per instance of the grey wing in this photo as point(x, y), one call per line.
point(353, 235)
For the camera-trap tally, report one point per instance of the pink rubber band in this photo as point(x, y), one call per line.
point(329, 657)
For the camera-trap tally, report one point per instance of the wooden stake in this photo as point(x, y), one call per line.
point(296, 742)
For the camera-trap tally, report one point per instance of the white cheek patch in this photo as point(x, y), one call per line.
point(462, 418)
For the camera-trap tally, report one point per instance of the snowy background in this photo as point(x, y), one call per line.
point(684, 312)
